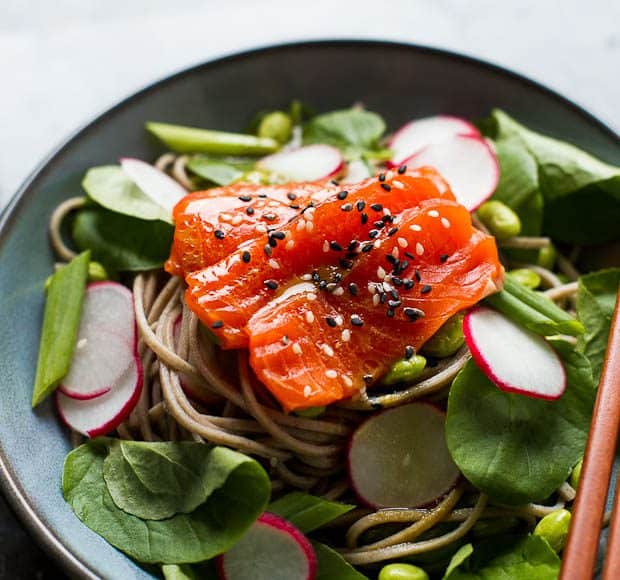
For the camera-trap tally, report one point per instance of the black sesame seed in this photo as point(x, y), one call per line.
point(352, 245)
point(390, 313)
point(392, 231)
point(335, 246)
point(443, 258)
point(382, 297)
point(388, 219)
point(269, 217)
point(379, 224)
point(315, 276)
point(263, 195)
point(426, 289)
point(337, 276)
point(366, 248)
point(323, 284)
point(417, 275)
point(402, 169)
point(271, 284)
point(372, 234)
point(246, 256)
point(356, 320)
point(343, 194)
point(360, 205)
point(391, 259)
point(346, 207)
point(272, 242)
point(394, 294)
point(386, 186)
point(346, 264)
point(331, 286)
point(245, 197)
point(403, 266)
point(249, 210)
point(291, 196)
point(217, 324)
point(394, 303)
point(351, 255)
point(294, 206)
point(381, 176)
point(397, 281)
point(219, 234)
point(334, 182)
point(409, 351)
point(364, 218)
point(267, 249)
point(331, 321)
point(410, 255)
point(408, 284)
point(278, 235)
point(376, 207)
point(413, 314)
point(368, 380)
point(353, 288)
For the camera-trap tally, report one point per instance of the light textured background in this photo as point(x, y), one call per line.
point(63, 61)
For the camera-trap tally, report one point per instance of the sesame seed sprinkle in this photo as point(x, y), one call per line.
point(328, 350)
point(338, 291)
point(261, 228)
point(356, 320)
point(360, 205)
point(443, 258)
point(306, 277)
point(309, 226)
point(273, 264)
point(433, 213)
point(398, 184)
point(376, 207)
point(309, 317)
point(335, 246)
point(413, 314)
point(219, 234)
point(386, 186)
point(246, 256)
point(339, 320)
point(402, 242)
point(271, 284)
point(301, 224)
point(325, 246)
point(445, 223)
point(267, 249)
point(311, 296)
point(347, 380)
point(377, 244)
point(307, 391)
point(409, 351)
point(290, 244)
point(291, 196)
point(375, 300)
point(415, 228)
point(346, 335)
point(249, 210)
point(364, 218)
point(419, 249)
point(353, 289)
point(426, 289)
point(380, 273)
point(285, 340)
point(331, 321)
point(217, 324)
point(245, 197)
point(395, 252)
point(331, 374)
point(343, 194)
point(297, 348)
point(402, 169)
point(382, 177)
point(346, 207)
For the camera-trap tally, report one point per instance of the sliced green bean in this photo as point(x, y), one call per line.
point(447, 340)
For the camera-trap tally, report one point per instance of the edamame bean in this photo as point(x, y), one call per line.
point(310, 412)
point(277, 125)
point(448, 339)
point(405, 371)
point(526, 277)
point(501, 221)
point(575, 475)
point(97, 273)
point(402, 572)
point(546, 257)
point(554, 528)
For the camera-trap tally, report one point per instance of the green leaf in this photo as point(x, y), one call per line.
point(308, 512)
point(192, 140)
point(61, 321)
point(178, 572)
point(581, 194)
point(220, 171)
point(154, 481)
point(516, 448)
point(596, 300)
point(209, 530)
point(355, 131)
point(113, 189)
point(507, 558)
point(121, 242)
point(331, 565)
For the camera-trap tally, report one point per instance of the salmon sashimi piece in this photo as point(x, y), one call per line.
point(323, 242)
point(312, 348)
point(211, 224)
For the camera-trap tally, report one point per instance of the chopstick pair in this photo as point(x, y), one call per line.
point(579, 557)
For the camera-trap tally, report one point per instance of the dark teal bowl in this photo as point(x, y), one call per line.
point(400, 81)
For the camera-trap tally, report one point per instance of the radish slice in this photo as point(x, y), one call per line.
point(399, 457)
point(101, 415)
point(515, 359)
point(467, 163)
point(357, 171)
point(155, 184)
point(308, 163)
point(105, 344)
point(420, 133)
point(272, 549)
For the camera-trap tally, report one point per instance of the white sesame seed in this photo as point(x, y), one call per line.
point(402, 242)
point(309, 226)
point(375, 300)
point(273, 264)
point(346, 335)
point(290, 244)
point(309, 317)
point(338, 291)
point(445, 223)
point(386, 286)
point(433, 213)
point(261, 228)
point(225, 217)
point(339, 320)
point(380, 273)
point(301, 224)
point(237, 220)
point(297, 348)
point(415, 228)
point(346, 380)
point(386, 211)
point(419, 249)
point(307, 391)
point(395, 252)
point(311, 296)
point(81, 343)
point(285, 340)
point(326, 246)
point(328, 350)
point(377, 244)
point(273, 204)
point(389, 174)
point(309, 213)
point(331, 374)
point(398, 184)
point(372, 288)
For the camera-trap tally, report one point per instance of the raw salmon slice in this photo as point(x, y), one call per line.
point(322, 243)
point(311, 348)
point(211, 224)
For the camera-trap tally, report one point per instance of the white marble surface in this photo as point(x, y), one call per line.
point(63, 61)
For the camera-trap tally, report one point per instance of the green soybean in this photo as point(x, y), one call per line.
point(554, 528)
point(448, 339)
point(405, 370)
point(575, 475)
point(402, 572)
point(546, 257)
point(310, 412)
point(501, 221)
point(277, 126)
point(526, 277)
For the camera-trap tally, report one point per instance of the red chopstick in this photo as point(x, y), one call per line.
point(611, 571)
point(579, 556)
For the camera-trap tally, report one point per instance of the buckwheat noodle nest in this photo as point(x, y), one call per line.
point(299, 453)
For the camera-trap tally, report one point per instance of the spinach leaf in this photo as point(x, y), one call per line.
point(209, 530)
point(331, 565)
point(121, 242)
point(61, 321)
point(516, 448)
point(507, 558)
point(154, 481)
point(308, 512)
point(113, 189)
point(220, 171)
point(355, 131)
point(596, 300)
point(581, 194)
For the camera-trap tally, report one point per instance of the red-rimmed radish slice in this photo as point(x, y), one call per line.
point(272, 549)
point(101, 415)
point(357, 171)
point(308, 163)
point(106, 341)
point(467, 163)
point(155, 184)
point(515, 359)
point(420, 133)
point(399, 457)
